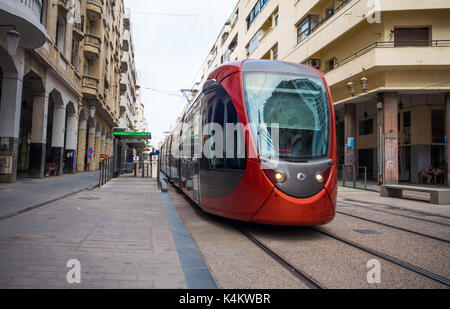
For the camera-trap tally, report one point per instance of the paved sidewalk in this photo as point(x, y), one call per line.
point(120, 234)
point(27, 192)
point(349, 194)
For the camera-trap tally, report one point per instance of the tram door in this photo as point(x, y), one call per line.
point(186, 169)
point(197, 139)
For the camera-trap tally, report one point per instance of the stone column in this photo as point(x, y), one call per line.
point(59, 128)
point(38, 136)
point(350, 131)
point(110, 147)
point(98, 142)
point(11, 104)
point(70, 153)
point(107, 146)
point(390, 113)
point(91, 147)
point(81, 153)
point(380, 139)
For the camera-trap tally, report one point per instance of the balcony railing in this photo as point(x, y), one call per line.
point(96, 2)
point(80, 26)
point(414, 43)
point(92, 40)
point(33, 5)
point(90, 82)
point(330, 14)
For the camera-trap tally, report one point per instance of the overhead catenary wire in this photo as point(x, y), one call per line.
point(166, 92)
point(178, 14)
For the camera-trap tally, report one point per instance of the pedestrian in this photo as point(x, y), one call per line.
point(154, 152)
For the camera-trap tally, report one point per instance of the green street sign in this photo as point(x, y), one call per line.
point(134, 134)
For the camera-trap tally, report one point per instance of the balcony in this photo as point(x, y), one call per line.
point(126, 19)
point(124, 81)
point(78, 28)
point(125, 61)
point(89, 87)
point(25, 16)
point(390, 55)
point(94, 9)
point(92, 45)
point(347, 16)
point(126, 40)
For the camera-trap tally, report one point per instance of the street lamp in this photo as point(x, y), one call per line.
point(364, 84)
point(93, 110)
point(351, 88)
point(12, 39)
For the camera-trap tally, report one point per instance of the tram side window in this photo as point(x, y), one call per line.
point(224, 113)
point(168, 154)
point(213, 113)
point(218, 118)
point(175, 147)
point(184, 147)
point(237, 160)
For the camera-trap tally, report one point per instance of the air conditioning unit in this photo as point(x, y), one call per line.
point(315, 63)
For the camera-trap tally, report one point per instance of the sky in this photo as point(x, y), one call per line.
point(172, 38)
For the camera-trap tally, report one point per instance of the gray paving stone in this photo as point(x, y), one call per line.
point(121, 238)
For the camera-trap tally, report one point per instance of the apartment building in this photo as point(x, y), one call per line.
point(60, 70)
point(131, 106)
point(128, 81)
point(387, 64)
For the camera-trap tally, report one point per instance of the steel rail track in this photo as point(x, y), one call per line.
point(393, 213)
point(386, 257)
point(298, 273)
point(395, 227)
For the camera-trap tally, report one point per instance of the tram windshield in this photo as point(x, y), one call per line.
point(296, 107)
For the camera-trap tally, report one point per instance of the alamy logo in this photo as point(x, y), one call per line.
point(74, 274)
point(374, 274)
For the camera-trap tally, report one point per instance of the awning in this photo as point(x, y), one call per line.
point(136, 144)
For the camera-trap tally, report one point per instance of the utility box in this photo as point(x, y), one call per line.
point(154, 167)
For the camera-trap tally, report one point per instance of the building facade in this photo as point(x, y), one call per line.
point(387, 64)
point(60, 93)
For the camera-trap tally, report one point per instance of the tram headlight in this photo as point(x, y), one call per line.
point(280, 177)
point(320, 178)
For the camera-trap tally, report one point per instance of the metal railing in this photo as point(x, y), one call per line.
point(106, 170)
point(127, 167)
point(351, 176)
point(330, 14)
point(142, 169)
point(393, 44)
point(33, 5)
